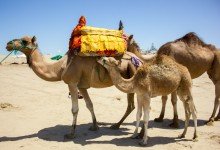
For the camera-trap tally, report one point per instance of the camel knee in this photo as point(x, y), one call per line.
point(75, 111)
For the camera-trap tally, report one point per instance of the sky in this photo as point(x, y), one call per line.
point(150, 21)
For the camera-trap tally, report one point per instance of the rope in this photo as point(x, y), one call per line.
point(98, 71)
point(6, 56)
point(16, 50)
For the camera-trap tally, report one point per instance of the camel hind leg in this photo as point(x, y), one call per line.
point(218, 116)
point(175, 123)
point(130, 108)
point(216, 105)
point(189, 109)
point(89, 105)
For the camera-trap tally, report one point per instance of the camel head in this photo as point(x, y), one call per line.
point(108, 62)
point(132, 46)
point(26, 45)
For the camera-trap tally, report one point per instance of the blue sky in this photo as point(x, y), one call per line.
point(150, 21)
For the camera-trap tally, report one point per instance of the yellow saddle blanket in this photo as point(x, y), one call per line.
point(101, 42)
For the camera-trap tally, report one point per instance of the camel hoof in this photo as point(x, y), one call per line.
point(135, 136)
point(69, 136)
point(142, 143)
point(195, 139)
point(115, 127)
point(141, 135)
point(181, 136)
point(94, 128)
point(210, 123)
point(174, 125)
point(217, 118)
point(158, 119)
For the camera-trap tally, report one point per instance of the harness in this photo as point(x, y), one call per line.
point(22, 46)
point(16, 50)
point(135, 61)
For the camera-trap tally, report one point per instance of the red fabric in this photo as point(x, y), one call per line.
point(75, 39)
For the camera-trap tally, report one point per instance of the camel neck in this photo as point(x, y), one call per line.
point(45, 70)
point(124, 85)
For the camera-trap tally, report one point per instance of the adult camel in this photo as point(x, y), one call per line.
point(78, 73)
point(199, 58)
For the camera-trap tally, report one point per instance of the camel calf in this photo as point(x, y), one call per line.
point(160, 77)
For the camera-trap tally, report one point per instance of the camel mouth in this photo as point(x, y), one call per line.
point(10, 46)
point(99, 60)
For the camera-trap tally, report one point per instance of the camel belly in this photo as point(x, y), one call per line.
point(196, 61)
point(163, 90)
point(165, 83)
point(99, 78)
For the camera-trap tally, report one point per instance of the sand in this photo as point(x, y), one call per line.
point(35, 114)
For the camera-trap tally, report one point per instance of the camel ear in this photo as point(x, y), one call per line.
point(120, 25)
point(117, 62)
point(34, 40)
point(131, 39)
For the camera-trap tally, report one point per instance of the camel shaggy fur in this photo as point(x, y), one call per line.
point(161, 76)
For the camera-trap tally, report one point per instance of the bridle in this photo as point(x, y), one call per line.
point(22, 46)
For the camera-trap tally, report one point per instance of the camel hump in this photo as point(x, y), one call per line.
point(165, 49)
point(192, 39)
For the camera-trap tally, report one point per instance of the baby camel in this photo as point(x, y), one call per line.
point(160, 77)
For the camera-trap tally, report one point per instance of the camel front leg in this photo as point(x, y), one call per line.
point(146, 108)
point(130, 108)
point(160, 118)
point(193, 110)
point(138, 117)
point(89, 105)
point(75, 108)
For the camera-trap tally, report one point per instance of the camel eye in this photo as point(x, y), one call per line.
point(24, 42)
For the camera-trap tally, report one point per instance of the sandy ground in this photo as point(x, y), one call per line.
point(35, 114)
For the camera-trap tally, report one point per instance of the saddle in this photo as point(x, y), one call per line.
point(92, 41)
point(101, 42)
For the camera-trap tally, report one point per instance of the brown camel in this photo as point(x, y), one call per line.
point(78, 72)
point(199, 58)
point(160, 77)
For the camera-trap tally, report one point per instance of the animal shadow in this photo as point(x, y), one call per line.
point(86, 137)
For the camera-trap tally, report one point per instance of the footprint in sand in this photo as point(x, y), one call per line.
point(6, 106)
point(215, 138)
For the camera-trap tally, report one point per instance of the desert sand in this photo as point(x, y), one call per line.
point(35, 114)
